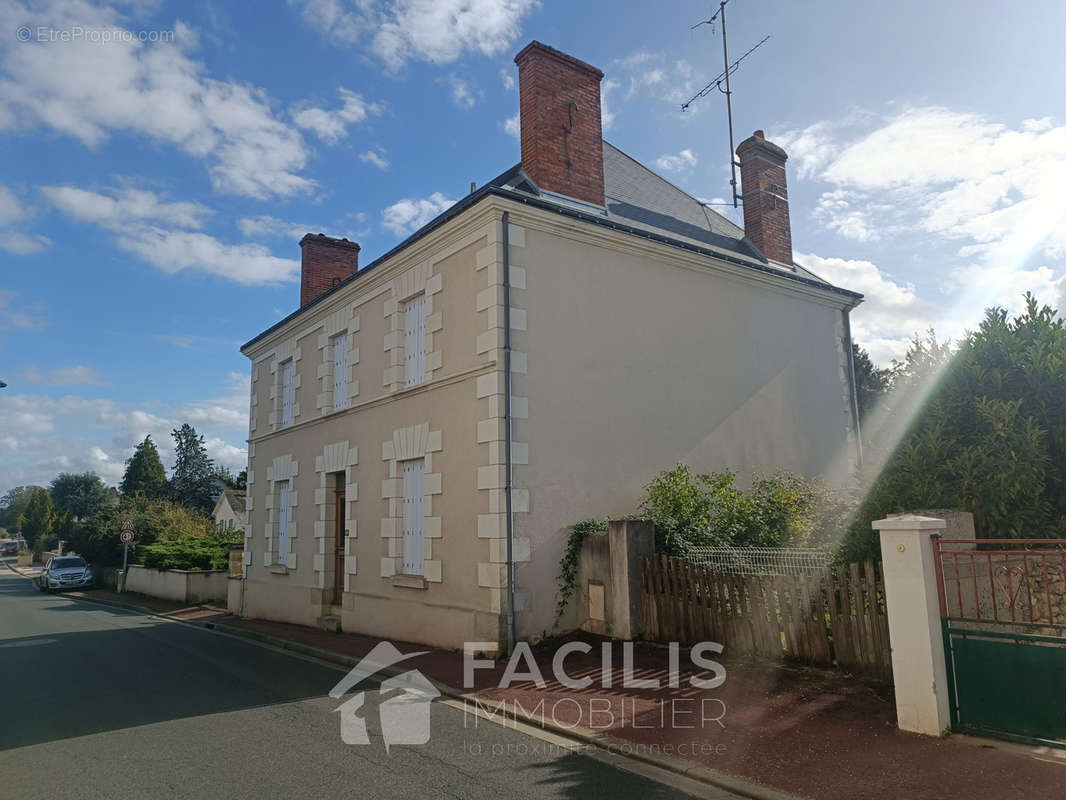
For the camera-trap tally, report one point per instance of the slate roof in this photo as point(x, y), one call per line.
point(640, 198)
point(638, 201)
point(236, 500)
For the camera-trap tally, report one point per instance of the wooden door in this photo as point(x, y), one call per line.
point(338, 549)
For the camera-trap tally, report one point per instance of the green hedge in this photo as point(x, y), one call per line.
point(190, 554)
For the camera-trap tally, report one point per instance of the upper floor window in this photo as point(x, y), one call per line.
point(340, 372)
point(414, 341)
point(286, 393)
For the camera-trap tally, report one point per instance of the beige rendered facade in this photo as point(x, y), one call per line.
point(628, 356)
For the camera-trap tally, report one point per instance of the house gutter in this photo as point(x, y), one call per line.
point(511, 627)
point(851, 382)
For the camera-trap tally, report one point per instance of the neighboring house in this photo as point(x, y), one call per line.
point(229, 511)
point(641, 329)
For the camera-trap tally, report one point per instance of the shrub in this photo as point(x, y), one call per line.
point(192, 552)
point(97, 538)
point(690, 510)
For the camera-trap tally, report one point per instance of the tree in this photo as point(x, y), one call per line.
point(191, 483)
point(153, 519)
point(983, 431)
point(37, 520)
point(870, 382)
point(80, 495)
point(13, 504)
point(144, 472)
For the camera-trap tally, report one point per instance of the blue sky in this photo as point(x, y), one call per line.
point(161, 160)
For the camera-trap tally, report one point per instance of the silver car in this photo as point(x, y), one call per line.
point(64, 572)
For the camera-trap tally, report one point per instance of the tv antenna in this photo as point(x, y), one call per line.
point(723, 77)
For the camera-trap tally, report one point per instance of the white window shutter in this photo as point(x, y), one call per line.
point(414, 342)
point(414, 527)
point(283, 523)
point(340, 372)
point(286, 393)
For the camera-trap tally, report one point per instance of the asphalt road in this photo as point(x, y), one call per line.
point(102, 702)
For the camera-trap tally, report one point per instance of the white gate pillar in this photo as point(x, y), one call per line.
point(913, 606)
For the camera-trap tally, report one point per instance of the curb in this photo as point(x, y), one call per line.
point(604, 742)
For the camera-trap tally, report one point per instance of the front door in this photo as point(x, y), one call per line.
point(338, 549)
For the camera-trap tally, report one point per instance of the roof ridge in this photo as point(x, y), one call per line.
point(693, 198)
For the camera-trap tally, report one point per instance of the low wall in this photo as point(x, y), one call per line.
point(179, 585)
point(234, 594)
point(607, 589)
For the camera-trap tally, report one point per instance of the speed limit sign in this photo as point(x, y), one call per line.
point(126, 537)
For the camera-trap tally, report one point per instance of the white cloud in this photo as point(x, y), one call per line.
point(990, 191)
point(839, 211)
point(607, 88)
point(64, 376)
point(11, 210)
point(375, 158)
point(332, 126)
point(957, 175)
point(184, 341)
point(438, 31)
point(685, 160)
point(120, 207)
point(90, 91)
point(891, 312)
point(22, 244)
point(410, 214)
point(21, 317)
point(507, 79)
point(174, 251)
point(512, 126)
point(463, 95)
point(129, 214)
point(44, 435)
point(274, 228)
point(650, 76)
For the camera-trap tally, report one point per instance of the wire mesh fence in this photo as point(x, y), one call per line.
point(761, 560)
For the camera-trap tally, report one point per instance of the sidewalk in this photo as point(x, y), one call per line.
point(814, 733)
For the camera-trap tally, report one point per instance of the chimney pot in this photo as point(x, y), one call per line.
point(764, 188)
point(562, 135)
point(325, 263)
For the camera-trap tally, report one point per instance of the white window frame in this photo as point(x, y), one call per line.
point(414, 521)
point(340, 372)
point(284, 546)
point(414, 341)
point(286, 378)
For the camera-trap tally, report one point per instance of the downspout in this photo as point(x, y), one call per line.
point(511, 626)
point(851, 383)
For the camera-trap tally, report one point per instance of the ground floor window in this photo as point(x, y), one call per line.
point(284, 489)
point(414, 505)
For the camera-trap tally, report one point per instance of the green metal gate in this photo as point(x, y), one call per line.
point(1003, 611)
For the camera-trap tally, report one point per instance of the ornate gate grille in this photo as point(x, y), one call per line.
point(1003, 612)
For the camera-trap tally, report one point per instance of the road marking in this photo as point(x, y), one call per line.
point(29, 643)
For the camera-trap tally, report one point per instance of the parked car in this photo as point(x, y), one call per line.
point(11, 548)
point(64, 572)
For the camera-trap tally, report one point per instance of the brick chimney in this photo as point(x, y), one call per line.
point(324, 263)
point(562, 138)
point(765, 192)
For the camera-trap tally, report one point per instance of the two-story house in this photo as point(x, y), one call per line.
point(424, 429)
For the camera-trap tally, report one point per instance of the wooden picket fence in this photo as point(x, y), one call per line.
point(832, 618)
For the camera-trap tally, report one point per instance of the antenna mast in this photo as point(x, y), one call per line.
point(728, 92)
